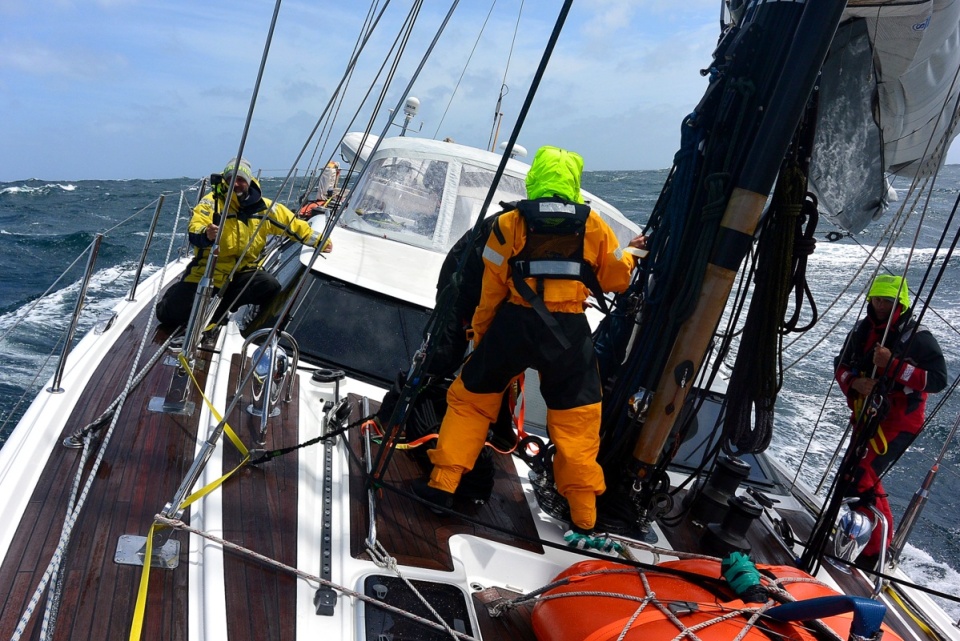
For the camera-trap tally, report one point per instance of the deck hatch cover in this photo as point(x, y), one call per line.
point(448, 600)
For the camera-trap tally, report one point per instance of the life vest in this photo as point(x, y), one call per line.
point(553, 248)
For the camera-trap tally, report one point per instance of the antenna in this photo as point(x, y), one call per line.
point(519, 151)
point(410, 108)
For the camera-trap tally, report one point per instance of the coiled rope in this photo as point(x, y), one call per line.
point(756, 376)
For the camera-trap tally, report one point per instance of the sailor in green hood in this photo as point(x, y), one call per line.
point(542, 261)
point(887, 346)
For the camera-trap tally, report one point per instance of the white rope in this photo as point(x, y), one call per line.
point(382, 559)
point(310, 578)
point(73, 511)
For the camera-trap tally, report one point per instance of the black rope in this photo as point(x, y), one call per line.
point(804, 245)
point(757, 372)
point(343, 429)
point(702, 580)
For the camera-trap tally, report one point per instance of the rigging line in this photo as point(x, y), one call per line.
point(894, 229)
point(403, 39)
point(409, 23)
point(196, 320)
point(331, 222)
point(337, 97)
point(915, 292)
point(491, 143)
point(246, 125)
point(333, 96)
point(913, 186)
point(40, 298)
point(382, 558)
point(843, 316)
point(26, 314)
point(377, 107)
point(513, 43)
point(464, 71)
point(341, 92)
point(824, 335)
point(310, 578)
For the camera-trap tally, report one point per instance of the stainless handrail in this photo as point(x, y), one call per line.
point(61, 365)
point(146, 246)
point(272, 343)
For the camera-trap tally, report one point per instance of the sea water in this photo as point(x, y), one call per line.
point(46, 228)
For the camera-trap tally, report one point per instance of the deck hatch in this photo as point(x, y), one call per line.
point(448, 600)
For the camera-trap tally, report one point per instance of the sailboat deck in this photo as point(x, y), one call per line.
point(145, 460)
point(415, 535)
point(260, 514)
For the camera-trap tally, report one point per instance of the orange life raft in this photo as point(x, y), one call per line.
point(601, 597)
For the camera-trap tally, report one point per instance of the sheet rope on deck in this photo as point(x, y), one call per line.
point(306, 576)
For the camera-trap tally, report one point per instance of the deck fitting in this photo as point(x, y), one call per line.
point(130, 551)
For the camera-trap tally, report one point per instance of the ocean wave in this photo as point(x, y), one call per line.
point(45, 317)
point(928, 572)
point(36, 190)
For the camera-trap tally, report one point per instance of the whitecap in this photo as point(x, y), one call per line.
point(928, 572)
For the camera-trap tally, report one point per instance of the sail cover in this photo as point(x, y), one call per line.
point(888, 98)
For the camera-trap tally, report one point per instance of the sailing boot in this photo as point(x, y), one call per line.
point(432, 495)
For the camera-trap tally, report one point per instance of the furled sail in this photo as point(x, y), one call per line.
point(890, 70)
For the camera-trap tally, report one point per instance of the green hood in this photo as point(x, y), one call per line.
point(555, 172)
point(891, 287)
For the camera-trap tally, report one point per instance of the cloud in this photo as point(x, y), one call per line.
point(110, 79)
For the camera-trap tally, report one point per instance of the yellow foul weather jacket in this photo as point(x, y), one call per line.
point(241, 225)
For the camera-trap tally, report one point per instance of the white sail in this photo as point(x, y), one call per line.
point(888, 104)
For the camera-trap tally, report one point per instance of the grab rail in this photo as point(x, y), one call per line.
point(61, 365)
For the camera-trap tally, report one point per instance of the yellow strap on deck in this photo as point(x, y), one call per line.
point(136, 626)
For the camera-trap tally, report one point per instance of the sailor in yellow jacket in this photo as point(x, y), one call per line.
point(544, 254)
point(250, 220)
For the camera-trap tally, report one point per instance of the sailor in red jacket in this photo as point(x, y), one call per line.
point(911, 358)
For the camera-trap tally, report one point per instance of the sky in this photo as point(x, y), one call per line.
point(123, 89)
point(120, 89)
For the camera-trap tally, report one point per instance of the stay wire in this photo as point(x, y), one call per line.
point(284, 314)
point(328, 119)
point(264, 220)
point(890, 370)
point(463, 72)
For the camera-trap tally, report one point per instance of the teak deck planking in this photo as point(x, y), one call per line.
point(145, 460)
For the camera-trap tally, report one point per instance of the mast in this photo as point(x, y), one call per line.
point(799, 34)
